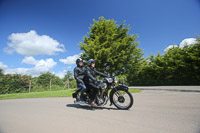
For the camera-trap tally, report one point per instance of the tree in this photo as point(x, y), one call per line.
point(177, 66)
point(14, 83)
point(1, 72)
point(111, 46)
point(68, 76)
point(45, 78)
point(69, 80)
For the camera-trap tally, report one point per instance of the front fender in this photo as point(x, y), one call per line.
point(120, 86)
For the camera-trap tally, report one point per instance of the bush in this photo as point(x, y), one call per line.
point(14, 83)
point(177, 66)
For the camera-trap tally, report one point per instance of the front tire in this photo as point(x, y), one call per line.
point(122, 99)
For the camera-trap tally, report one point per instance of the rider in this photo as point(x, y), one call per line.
point(79, 73)
point(91, 80)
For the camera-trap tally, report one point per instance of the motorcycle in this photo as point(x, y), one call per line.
point(118, 94)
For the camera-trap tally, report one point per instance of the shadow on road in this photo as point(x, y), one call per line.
point(87, 107)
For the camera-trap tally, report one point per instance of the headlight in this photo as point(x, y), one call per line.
point(103, 85)
point(109, 80)
point(115, 80)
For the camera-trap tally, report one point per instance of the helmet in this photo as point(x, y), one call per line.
point(91, 61)
point(78, 60)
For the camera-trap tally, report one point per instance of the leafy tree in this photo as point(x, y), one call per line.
point(13, 83)
point(111, 46)
point(1, 72)
point(177, 66)
point(72, 82)
point(69, 76)
point(44, 79)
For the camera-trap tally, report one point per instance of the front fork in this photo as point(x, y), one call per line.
point(121, 86)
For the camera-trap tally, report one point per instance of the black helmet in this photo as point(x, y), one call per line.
point(78, 60)
point(91, 61)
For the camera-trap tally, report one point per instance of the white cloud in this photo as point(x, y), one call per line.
point(170, 46)
point(70, 59)
point(3, 66)
point(29, 60)
point(17, 71)
point(40, 66)
point(33, 44)
point(45, 65)
point(187, 41)
point(61, 74)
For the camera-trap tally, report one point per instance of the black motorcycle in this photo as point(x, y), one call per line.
point(118, 94)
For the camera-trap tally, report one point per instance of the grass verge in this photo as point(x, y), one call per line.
point(60, 93)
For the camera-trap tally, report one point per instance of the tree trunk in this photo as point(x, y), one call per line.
point(68, 83)
point(29, 86)
point(50, 84)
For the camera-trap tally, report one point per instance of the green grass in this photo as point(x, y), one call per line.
point(134, 90)
point(60, 93)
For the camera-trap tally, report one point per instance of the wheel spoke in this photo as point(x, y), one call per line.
point(117, 95)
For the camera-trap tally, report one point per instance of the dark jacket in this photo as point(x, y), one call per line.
point(90, 75)
point(79, 73)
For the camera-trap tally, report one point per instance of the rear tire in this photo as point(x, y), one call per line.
point(77, 94)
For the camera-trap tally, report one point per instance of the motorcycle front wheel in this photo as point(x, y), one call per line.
point(122, 99)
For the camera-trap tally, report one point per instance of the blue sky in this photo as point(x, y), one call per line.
point(62, 24)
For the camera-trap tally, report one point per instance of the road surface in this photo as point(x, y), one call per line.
point(154, 111)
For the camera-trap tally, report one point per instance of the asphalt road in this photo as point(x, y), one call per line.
point(154, 111)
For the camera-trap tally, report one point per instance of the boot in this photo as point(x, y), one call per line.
point(93, 104)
